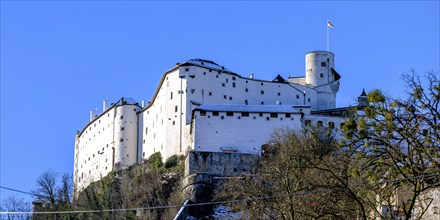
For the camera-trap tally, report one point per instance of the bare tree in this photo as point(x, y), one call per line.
point(14, 204)
point(53, 196)
point(302, 175)
point(400, 139)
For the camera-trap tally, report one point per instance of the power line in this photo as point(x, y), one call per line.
point(219, 202)
point(28, 193)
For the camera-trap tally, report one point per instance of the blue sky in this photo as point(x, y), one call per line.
point(61, 59)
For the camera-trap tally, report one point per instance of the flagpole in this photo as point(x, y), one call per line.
point(328, 41)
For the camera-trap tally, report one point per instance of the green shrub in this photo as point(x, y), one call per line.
point(172, 161)
point(155, 161)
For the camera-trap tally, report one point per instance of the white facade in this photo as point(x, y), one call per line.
point(126, 134)
point(107, 143)
point(241, 129)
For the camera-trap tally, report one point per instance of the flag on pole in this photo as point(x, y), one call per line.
point(330, 24)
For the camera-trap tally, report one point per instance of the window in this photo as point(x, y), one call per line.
point(246, 101)
point(223, 84)
point(233, 84)
point(122, 117)
point(227, 80)
point(216, 76)
point(122, 128)
point(297, 96)
point(233, 78)
point(246, 90)
point(122, 139)
point(171, 95)
point(323, 64)
point(210, 70)
point(146, 131)
point(204, 73)
point(331, 124)
point(215, 113)
point(308, 99)
point(279, 93)
point(287, 115)
point(186, 69)
point(210, 93)
point(222, 117)
point(262, 92)
point(274, 115)
point(321, 75)
point(230, 98)
point(245, 114)
point(262, 103)
point(261, 83)
point(202, 113)
point(319, 123)
point(229, 113)
point(175, 108)
point(174, 122)
point(267, 118)
point(261, 114)
point(225, 96)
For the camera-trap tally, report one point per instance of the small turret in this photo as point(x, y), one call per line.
point(363, 99)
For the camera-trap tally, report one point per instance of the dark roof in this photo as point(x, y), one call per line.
point(363, 93)
point(334, 111)
point(120, 102)
point(207, 64)
point(336, 74)
point(279, 79)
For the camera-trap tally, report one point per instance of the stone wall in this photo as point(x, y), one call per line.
point(202, 170)
point(219, 163)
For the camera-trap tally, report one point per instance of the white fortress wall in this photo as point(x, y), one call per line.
point(334, 122)
point(161, 120)
point(217, 87)
point(236, 131)
point(97, 147)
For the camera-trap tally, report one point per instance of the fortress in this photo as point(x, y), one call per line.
point(201, 106)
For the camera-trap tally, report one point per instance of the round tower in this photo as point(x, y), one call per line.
point(318, 68)
point(322, 77)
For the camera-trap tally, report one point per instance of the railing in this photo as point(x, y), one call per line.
point(183, 212)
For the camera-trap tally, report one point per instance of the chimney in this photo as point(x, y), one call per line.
point(251, 76)
point(104, 105)
point(92, 114)
point(143, 103)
